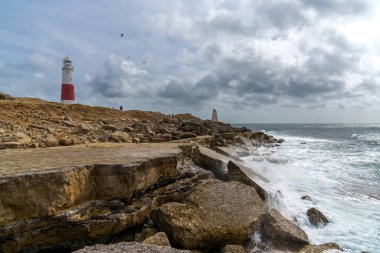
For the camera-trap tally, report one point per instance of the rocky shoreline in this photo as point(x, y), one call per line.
point(115, 181)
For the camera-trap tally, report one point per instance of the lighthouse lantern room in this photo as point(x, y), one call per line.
point(67, 91)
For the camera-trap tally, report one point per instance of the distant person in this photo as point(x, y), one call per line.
point(121, 108)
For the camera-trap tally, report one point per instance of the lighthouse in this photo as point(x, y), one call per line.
point(67, 91)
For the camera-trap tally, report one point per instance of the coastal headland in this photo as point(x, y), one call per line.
point(94, 179)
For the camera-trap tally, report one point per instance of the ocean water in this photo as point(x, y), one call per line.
point(338, 166)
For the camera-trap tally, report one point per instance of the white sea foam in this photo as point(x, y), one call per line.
point(316, 169)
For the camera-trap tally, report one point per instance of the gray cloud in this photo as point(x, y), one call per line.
point(252, 55)
point(352, 7)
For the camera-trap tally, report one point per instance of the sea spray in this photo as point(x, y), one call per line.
point(338, 167)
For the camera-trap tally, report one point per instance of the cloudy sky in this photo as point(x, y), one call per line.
point(253, 60)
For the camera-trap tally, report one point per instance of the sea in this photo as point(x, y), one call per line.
point(338, 167)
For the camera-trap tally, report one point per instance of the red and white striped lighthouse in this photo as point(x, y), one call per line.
point(67, 91)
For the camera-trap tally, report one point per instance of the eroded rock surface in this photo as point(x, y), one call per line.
point(54, 207)
point(321, 248)
point(239, 173)
point(159, 239)
point(212, 215)
point(130, 247)
point(282, 233)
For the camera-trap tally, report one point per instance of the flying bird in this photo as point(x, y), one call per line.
point(121, 35)
point(143, 62)
point(128, 57)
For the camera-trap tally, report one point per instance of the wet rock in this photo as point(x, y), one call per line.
point(233, 249)
point(282, 233)
point(211, 160)
point(130, 247)
point(320, 248)
point(316, 217)
point(306, 197)
point(212, 216)
point(239, 173)
point(159, 239)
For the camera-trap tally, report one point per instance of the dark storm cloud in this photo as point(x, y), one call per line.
point(187, 93)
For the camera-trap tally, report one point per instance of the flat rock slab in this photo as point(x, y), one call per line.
point(130, 247)
point(21, 162)
point(42, 182)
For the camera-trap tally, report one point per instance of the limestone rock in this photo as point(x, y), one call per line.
point(119, 136)
point(212, 216)
point(210, 160)
point(68, 123)
point(239, 173)
point(146, 232)
point(110, 128)
point(21, 137)
point(66, 141)
point(130, 247)
point(84, 128)
point(233, 249)
point(159, 239)
point(11, 145)
point(51, 141)
point(227, 136)
point(320, 248)
point(186, 135)
point(158, 139)
point(5, 96)
point(129, 129)
point(282, 233)
point(316, 217)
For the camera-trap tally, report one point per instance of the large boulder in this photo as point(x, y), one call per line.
point(130, 247)
point(212, 216)
point(239, 173)
point(316, 217)
point(282, 233)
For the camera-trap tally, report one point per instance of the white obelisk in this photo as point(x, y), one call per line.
point(214, 116)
